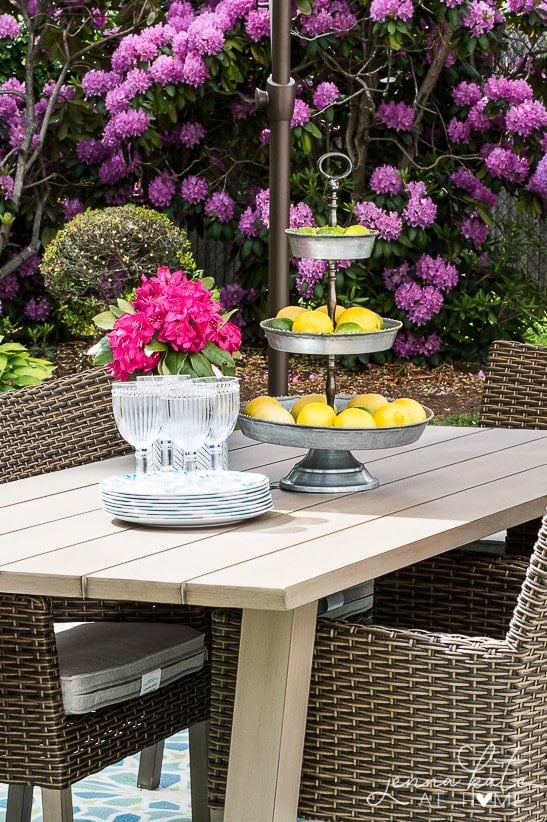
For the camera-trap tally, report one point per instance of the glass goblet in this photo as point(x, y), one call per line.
point(187, 411)
point(138, 414)
point(223, 418)
point(160, 457)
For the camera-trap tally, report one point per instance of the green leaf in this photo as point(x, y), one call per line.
point(125, 306)
point(201, 365)
point(8, 347)
point(27, 380)
point(105, 320)
point(174, 362)
point(217, 355)
point(101, 352)
point(153, 346)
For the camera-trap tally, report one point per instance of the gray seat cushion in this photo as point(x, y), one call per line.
point(103, 663)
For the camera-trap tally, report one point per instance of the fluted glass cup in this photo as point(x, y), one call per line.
point(224, 416)
point(160, 457)
point(188, 409)
point(138, 413)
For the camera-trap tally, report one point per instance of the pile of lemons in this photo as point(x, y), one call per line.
point(362, 411)
point(355, 319)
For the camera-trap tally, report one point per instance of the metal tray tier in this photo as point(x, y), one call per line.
point(349, 343)
point(331, 246)
point(330, 466)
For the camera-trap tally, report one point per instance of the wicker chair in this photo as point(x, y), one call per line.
point(64, 422)
point(515, 396)
point(437, 710)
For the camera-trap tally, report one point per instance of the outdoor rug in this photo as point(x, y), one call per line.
point(113, 795)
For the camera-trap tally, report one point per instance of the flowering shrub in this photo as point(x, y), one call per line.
point(442, 117)
point(173, 326)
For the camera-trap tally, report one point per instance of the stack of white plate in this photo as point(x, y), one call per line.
point(207, 498)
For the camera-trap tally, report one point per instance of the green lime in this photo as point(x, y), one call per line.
point(347, 328)
point(330, 229)
point(281, 324)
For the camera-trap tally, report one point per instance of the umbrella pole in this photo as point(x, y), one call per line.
point(280, 99)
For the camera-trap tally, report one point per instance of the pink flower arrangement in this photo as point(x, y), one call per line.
point(173, 326)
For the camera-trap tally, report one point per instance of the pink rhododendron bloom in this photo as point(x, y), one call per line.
point(466, 94)
point(175, 313)
point(228, 337)
point(249, 223)
point(131, 333)
point(161, 190)
point(9, 27)
point(310, 272)
point(300, 215)
point(191, 134)
point(257, 24)
point(398, 116)
point(194, 189)
point(386, 180)
point(381, 10)
point(479, 17)
point(506, 164)
point(409, 345)
point(325, 95)
point(526, 117)
point(221, 206)
point(301, 114)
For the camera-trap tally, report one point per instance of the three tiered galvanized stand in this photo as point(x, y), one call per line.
point(329, 465)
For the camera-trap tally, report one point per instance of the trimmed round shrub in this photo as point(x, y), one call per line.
point(102, 254)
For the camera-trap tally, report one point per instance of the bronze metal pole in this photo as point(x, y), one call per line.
point(280, 95)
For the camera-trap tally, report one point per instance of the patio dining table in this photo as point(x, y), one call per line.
point(451, 487)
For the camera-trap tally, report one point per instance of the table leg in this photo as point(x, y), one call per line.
point(273, 680)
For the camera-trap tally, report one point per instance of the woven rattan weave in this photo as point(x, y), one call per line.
point(61, 423)
point(444, 719)
point(515, 396)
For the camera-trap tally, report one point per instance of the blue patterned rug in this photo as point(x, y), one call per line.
point(113, 795)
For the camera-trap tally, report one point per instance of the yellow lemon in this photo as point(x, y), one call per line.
point(355, 418)
point(415, 410)
point(316, 413)
point(390, 415)
point(367, 319)
point(290, 312)
point(313, 322)
point(357, 230)
point(274, 413)
point(339, 309)
point(370, 402)
point(304, 400)
point(255, 404)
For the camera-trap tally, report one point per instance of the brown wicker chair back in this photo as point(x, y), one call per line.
point(412, 723)
point(515, 396)
point(60, 423)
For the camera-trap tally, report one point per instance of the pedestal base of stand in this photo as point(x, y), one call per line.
point(325, 471)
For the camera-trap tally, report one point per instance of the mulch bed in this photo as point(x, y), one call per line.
point(448, 390)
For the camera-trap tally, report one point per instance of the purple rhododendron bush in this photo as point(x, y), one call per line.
point(438, 106)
